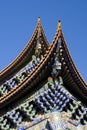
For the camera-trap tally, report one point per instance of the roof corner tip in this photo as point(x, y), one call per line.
point(59, 25)
point(38, 19)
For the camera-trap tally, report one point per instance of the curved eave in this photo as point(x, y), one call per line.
point(35, 76)
point(9, 70)
point(71, 76)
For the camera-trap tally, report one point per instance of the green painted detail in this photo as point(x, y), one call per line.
point(3, 90)
point(4, 125)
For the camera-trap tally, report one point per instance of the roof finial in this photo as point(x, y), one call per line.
point(38, 19)
point(59, 25)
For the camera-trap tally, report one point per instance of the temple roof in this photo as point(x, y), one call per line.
point(46, 82)
point(71, 77)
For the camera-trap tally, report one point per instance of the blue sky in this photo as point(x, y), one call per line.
point(18, 19)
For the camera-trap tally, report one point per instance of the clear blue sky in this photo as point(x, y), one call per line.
point(18, 19)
